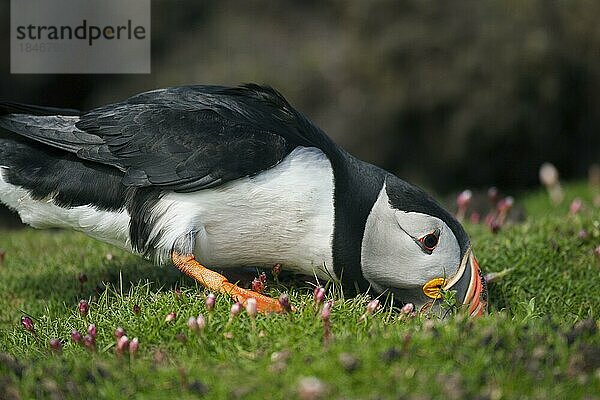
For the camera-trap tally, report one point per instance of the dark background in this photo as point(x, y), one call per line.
point(447, 95)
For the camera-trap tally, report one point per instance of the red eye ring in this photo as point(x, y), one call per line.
point(431, 240)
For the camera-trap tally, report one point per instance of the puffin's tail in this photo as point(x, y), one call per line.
point(10, 143)
point(9, 139)
point(15, 150)
point(31, 167)
point(7, 107)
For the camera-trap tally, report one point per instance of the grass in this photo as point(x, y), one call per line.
point(540, 340)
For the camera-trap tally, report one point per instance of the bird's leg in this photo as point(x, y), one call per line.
point(185, 261)
point(218, 283)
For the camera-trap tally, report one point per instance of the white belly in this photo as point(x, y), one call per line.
point(283, 215)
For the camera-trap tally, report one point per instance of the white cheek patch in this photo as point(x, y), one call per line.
point(390, 257)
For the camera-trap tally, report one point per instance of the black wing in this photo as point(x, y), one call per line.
point(182, 139)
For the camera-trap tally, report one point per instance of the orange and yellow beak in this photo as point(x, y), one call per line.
point(468, 283)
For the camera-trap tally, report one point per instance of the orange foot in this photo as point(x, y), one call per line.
point(218, 283)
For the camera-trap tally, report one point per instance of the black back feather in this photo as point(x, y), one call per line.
point(182, 139)
point(126, 155)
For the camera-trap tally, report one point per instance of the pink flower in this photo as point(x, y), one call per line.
point(76, 337)
point(505, 204)
point(201, 322)
point(258, 285)
point(372, 306)
point(263, 277)
point(170, 317)
point(503, 207)
point(284, 301)
point(236, 308)
point(27, 324)
point(92, 330)
point(210, 302)
point(134, 346)
point(549, 178)
point(84, 307)
point(464, 198)
point(251, 307)
point(490, 277)
point(326, 312)
point(119, 332)
point(575, 206)
point(192, 324)
point(318, 295)
point(55, 344)
point(177, 293)
point(475, 217)
point(548, 174)
point(122, 344)
point(89, 342)
point(407, 308)
point(462, 202)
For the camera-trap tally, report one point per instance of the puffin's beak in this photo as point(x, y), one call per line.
point(469, 285)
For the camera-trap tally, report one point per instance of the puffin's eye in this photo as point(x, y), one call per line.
point(430, 241)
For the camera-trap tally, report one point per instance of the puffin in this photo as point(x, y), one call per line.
point(207, 178)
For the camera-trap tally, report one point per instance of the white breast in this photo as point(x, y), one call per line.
point(282, 215)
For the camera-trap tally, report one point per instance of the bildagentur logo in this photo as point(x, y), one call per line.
point(84, 31)
point(80, 36)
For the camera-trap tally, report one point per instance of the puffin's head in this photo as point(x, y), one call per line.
point(415, 249)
